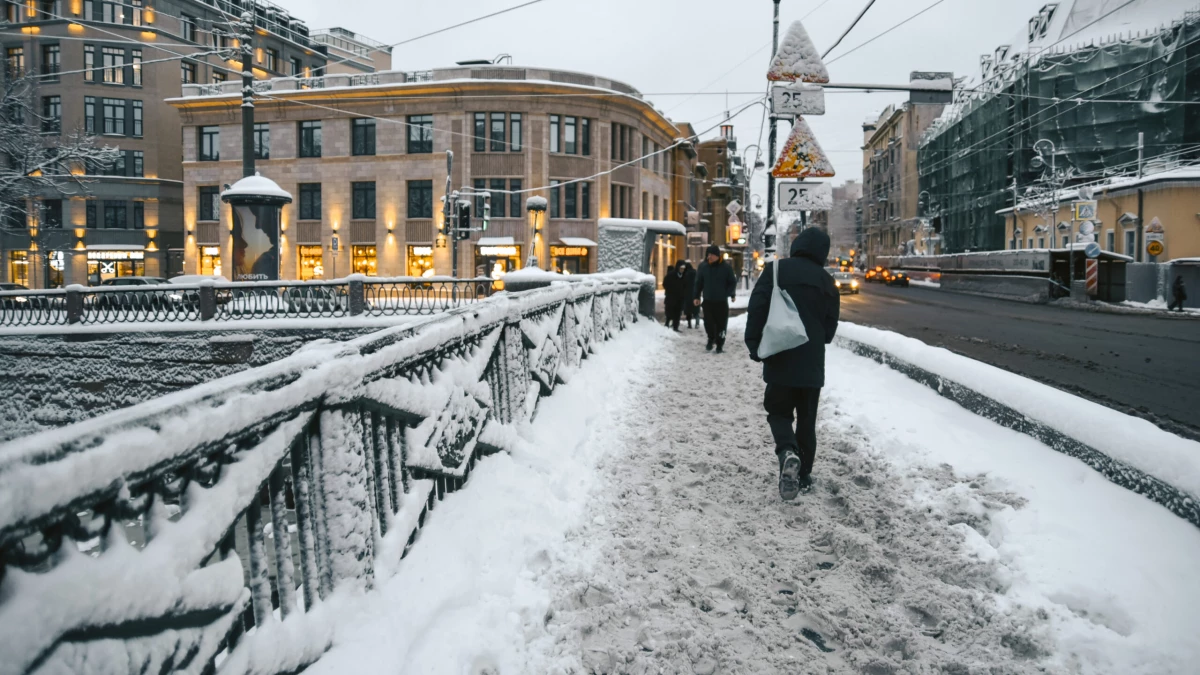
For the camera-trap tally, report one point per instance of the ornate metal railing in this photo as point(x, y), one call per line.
point(220, 529)
point(212, 301)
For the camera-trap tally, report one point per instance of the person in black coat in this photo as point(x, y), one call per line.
point(690, 311)
point(1178, 294)
point(678, 293)
point(716, 286)
point(794, 377)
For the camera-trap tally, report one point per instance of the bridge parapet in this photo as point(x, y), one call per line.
point(220, 528)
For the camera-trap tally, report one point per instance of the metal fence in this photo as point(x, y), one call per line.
point(175, 535)
point(210, 301)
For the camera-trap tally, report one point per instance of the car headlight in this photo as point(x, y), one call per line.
point(837, 283)
point(21, 299)
point(854, 284)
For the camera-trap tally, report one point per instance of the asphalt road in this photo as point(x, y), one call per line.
point(1142, 365)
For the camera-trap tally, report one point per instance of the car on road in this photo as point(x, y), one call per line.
point(134, 300)
point(15, 301)
point(876, 273)
point(845, 282)
point(897, 279)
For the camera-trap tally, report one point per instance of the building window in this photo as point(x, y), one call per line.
point(1110, 241)
point(112, 60)
point(310, 201)
point(210, 144)
point(514, 132)
point(362, 260)
point(310, 138)
point(187, 72)
point(498, 142)
point(52, 213)
point(570, 200)
point(420, 134)
point(113, 12)
point(555, 200)
point(210, 203)
point(499, 202)
point(569, 139)
point(89, 63)
point(585, 136)
point(420, 199)
point(14, 62)
point(311, 266)
point(210, 260)
point(363, 202)
point(555, 125)
point(262, 140)
point(114, 116)
point(645, 152)
point(480, 132)
point(420, 261)
point(139, 216)
point(89, 114)
point(218, 77)
point(90, 214)
point(1131, 243)
point(585, 200)
point(362, 134)
point(187, 26)
point(137, 11)
point(480, 186)
point(137, 118)
point(139, 163)
point(18, 267)
point(135, 60)
point(297, 70)
point(272, 63)
point(51, 114)
point(621, 136)
point(514, 199)
point(115, 216)
point(51, 61)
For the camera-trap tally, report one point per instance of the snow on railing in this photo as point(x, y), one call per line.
point(224, 301)
point(225, 528)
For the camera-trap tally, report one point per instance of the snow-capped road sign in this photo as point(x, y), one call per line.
point(797, 59)
point(797, 100)
point(802, 156)
point(805, 196)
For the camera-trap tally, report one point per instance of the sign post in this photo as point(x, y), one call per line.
point(1156, 235)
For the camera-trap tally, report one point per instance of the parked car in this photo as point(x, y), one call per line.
point(15, 301)
point(224, 295)
point(845, 282)
point(133, 300)
point(897, 279)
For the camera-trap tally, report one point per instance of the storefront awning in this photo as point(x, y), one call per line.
point(116, 247)
point(576, 241)
point(495, 241)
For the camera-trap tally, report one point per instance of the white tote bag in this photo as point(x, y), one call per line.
point(785, 328)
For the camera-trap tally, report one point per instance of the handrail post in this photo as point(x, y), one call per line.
point(357, 293)
point(208, 301)
point(74, 303)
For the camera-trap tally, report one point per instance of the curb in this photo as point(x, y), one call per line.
point(1135, 480)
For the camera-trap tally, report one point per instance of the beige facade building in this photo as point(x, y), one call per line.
point(364, 158)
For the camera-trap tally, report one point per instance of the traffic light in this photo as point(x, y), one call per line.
point(487, 210)
point(464, 220)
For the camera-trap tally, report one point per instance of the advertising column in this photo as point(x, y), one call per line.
point(256, 204)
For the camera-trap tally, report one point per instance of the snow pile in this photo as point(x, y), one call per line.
point(533, 274)
point(797, 59)
point(536, 203)
point(1132, 440)
point(802, 156)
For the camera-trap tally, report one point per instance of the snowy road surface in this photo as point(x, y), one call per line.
point(640, 531)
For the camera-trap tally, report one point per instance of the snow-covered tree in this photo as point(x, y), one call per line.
point(37, 157)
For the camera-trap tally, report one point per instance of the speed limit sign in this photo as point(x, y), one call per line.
point(805, 196)
point(1154, 248)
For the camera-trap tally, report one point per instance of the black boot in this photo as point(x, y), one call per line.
point(789, 476)
point(709, 347)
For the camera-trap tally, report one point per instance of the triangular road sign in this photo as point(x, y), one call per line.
point(797, 59)
point(802, 156)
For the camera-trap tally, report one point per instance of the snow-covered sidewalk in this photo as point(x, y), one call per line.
point(641, 531)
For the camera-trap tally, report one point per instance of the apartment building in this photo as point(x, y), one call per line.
point(366, 166)
point(726, 183)
point(104, 68)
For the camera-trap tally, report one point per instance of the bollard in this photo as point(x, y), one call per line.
point(208, 301)
point(358, 302)
point(75, 303)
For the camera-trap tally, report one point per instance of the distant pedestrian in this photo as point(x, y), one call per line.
point(794, 377)
point(716, 287)
point(1178, 294)
point(677, 292)
point(690, 311)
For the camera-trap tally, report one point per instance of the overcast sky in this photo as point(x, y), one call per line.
point(662, 47)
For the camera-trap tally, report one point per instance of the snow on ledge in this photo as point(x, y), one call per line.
point(1132, 440)
point(660, 226)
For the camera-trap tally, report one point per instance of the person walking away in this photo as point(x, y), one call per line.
point(1178, 294)
point(676, 292)
point(690, 311)
point(716, 286)
point(794, 377)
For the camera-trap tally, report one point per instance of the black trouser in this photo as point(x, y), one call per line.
point(1176, 301)
point(673, 309)
point(785, 404)
point(716, 319)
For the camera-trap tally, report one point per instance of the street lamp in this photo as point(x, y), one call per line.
point(537, 207)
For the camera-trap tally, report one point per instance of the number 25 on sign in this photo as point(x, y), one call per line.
point(805, 196)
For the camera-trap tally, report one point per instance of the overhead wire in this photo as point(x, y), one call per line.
point(870, 4)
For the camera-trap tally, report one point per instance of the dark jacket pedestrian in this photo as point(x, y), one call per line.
point(794, 377)
point(678, 291)
point(1178, 294)
point(716, 286)
point(690, 310)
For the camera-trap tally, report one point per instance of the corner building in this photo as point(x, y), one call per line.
point(364, 158)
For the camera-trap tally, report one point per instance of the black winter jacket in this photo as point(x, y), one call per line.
point(678, 287)
point(715, 282)
point(804, 278)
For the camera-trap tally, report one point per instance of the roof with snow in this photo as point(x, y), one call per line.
point(797, 59)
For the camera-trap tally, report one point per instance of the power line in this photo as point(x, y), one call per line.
point(870, 4)
point(864, 44)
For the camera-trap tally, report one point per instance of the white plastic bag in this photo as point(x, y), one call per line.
point(784, 329)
